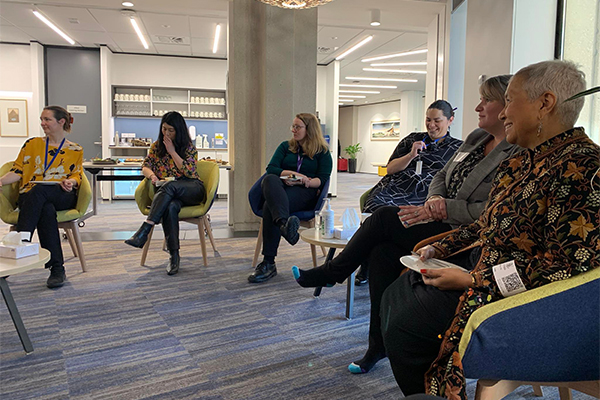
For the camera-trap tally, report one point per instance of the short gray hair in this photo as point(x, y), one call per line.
point(562, 78)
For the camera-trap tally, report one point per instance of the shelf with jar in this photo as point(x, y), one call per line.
point(130, 101)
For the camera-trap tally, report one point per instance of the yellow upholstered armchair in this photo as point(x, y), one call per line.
point(197, 215)
point(68, 220)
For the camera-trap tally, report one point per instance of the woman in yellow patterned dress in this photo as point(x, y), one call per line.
point(541, 223)
point(49, 171)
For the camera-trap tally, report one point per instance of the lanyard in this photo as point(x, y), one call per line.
point(435, 141)
point(299, 162)
point(46, 165)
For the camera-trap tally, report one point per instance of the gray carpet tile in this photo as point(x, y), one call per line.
point(125, 331)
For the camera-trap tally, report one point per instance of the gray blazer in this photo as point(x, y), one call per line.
point(473, 195)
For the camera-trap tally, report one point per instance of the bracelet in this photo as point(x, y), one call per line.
point(473, 283)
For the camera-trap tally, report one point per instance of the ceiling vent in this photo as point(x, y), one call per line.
point(171, 40)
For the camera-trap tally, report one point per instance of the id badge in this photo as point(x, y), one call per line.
point(508, 279)
point(419, 167)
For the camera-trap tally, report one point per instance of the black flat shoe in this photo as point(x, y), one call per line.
point(362, 277)
point(312, 277)
point(173, 266)
point(263, 272)
point(140, 237)
point(289, 230)
point(57, 277)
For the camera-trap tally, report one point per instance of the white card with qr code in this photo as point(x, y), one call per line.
point(508, 279)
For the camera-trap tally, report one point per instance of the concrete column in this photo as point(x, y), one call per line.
point(332, 118)
point(272, 77)
point(38, 89)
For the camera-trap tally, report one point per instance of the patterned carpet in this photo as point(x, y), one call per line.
point(123, 331)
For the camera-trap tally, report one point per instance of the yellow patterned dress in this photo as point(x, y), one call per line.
point(544, 214)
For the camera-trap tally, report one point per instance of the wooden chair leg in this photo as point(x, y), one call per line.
point(258, 245)
point(146, 247)
point(209, 232)
point(71, 241)
point(202, 240)
point(565, 393)
point(494, 390)
point(313, 252)
point(324, 251)
point(537, 391)
point(77, 238)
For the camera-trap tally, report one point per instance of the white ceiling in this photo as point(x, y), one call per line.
point(342, 23)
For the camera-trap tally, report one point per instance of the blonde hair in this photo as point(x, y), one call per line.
point(493, 88)
point(314, 142)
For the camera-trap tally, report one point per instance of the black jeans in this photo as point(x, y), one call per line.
point(37, 209)
point(167, 202)
point(279, 201)
point(381, 240)
point(414, 318)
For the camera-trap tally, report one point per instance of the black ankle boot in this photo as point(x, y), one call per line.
point(173, 266)
point(362, 276)
point(289, 230)
point(57, 277)
point(139, 238)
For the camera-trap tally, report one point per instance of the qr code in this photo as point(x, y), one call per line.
point(512, 282)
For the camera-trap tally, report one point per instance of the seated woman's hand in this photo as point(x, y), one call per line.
point(416, 148)
point(66, 185)
point(428, 252)
point(436, 206)
point(410, 215)
point(447, 278)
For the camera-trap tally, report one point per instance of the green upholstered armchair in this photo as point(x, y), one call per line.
point(68, 220)
point(198, 215)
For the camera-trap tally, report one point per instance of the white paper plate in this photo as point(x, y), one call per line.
point(414, 263)
point(287, 178)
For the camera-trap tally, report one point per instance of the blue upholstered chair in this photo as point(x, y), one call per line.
point(307, 218)
point(548, 336)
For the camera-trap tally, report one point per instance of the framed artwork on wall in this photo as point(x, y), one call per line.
point(385, 130)
point(13, 118)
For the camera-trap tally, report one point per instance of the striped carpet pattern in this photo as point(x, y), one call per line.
point(125, 331)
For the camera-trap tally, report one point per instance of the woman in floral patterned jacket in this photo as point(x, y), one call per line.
point(541, 224)
point(171, 166)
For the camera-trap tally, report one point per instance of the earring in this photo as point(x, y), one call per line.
point(539, 129)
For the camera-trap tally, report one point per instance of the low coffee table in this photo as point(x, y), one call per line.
point(9, 266)
point(312, 237)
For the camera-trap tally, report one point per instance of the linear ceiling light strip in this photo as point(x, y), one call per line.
point(139, 32)
point(53, 27)
point(356, 46)
point(217, 35)
point(362, 78)
point(406, 53)
point(369, 86)
point(396, 71)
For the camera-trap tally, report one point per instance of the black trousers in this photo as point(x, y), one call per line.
point(279, 201)
point(37, 209)
point(381, 240)
point(167, 202)
point(414, 318)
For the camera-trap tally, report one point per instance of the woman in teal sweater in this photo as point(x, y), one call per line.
point(295, 176)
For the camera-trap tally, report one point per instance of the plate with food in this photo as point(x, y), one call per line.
point(291, 178)
point(414, 262)
point(163, 181)
point(104, 161)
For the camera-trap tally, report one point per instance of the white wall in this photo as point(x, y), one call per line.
point(322, 92)
point(178, 72)
point(533, 42)
point(488, 50)
point(19, 69)
point(456, 74)
point(374, 150)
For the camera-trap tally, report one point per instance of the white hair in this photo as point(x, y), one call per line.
point(562, 78)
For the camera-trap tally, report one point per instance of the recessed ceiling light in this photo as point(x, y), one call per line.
point(375, 17)
point(127, 4)
point(334, 38)
point(406, 53)
point(166, 26)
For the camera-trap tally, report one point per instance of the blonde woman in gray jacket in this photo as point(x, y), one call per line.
point(456, 196)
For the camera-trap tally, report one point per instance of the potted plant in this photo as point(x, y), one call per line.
point(352, 151)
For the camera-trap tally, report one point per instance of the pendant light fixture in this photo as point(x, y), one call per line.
point(295, 4)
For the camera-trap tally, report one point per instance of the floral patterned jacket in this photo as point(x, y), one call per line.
point(30, 163)
point(543, 213)
point(164, 167)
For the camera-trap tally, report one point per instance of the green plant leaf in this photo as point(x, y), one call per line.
point(584, 93)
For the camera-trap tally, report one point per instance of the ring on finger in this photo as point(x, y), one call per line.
point(416, 213)
point(432, 207)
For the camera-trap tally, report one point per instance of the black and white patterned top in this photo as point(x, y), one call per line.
point(466, 166)
point(406, 187)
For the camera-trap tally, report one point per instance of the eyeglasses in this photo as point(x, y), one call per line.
point(297, 127)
